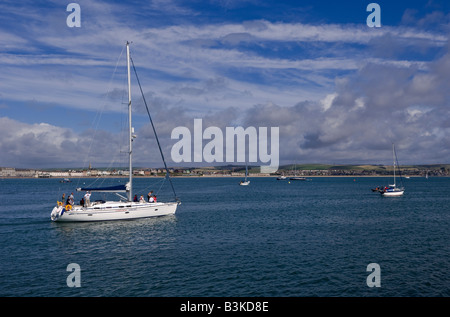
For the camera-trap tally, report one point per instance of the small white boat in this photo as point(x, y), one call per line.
point(298, 178)
point(125, 208)
point(295, 177)
point(393, 190)
point(245, 182)
point(282, 177)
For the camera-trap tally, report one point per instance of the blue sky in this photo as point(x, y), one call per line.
point(340, 91)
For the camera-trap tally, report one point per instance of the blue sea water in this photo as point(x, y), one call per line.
point(270, 239)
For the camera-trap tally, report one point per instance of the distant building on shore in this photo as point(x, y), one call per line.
point(13, 172)
point(7, 172)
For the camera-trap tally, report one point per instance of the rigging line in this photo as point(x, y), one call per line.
point(162, 184)
point(153, 185)
point(399, 171)
point(154, 131)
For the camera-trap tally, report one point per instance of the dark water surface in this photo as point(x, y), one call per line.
point(272, 238)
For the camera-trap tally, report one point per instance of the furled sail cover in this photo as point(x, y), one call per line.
point(111, 189)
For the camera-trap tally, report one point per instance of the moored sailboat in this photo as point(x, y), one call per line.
point(245, 182)
point(298, 178)
point(295, 177)
point(392, 190)
point(125, 208)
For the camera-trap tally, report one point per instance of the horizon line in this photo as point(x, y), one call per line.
point(216, 166)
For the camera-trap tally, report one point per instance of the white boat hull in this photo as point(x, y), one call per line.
point(113, 211)
point(393, 193)
point(244, 183)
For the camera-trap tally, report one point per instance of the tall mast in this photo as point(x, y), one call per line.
point(130, 140)
point(393, 154)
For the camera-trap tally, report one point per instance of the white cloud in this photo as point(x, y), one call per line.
point(325, 85)
point(328, 101)
point(25, 145)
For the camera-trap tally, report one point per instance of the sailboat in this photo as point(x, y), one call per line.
point(125, 208)
point(245, 182)
point(393, 190)
point(295, 177)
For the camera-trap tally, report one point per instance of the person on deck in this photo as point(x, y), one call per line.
point(71, 199)
point(87, 199)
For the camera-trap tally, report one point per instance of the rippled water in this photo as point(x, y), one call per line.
point(272, 238)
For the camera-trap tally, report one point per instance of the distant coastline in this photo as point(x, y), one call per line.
point(218, 176)
point(303, 170)
point(221, 176)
